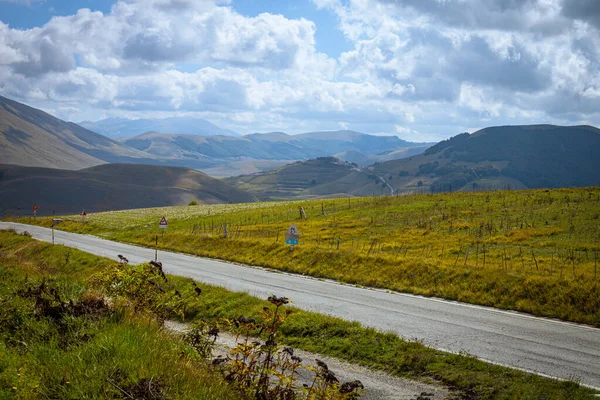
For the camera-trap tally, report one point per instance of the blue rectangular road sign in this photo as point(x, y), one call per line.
point(291, 241)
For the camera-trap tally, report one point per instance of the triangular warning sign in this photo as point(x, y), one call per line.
point(162, 223)
point(293, 230)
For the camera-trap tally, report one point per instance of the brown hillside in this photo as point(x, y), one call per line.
point(109, 187)
point(31, 137)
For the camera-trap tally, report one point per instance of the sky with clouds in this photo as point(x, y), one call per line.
point(421, 69)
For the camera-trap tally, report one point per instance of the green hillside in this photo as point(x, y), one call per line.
point(65, 336)
point(323, 176)
point(109, 187)
point(504, 156)
point(516, 157)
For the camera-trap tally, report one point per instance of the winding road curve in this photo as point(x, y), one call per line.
point(546, 347)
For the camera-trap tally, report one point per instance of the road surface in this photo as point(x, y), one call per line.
point(546, 347)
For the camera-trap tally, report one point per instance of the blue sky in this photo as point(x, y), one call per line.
point(24, 15)
point(420, 69)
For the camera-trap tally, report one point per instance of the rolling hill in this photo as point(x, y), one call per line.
point(31, 137)
point(227, 155)
point(109, 187)
point(517, 157)
point(495, 157)
point(319, 177)
point(531, 156)
point(122, 127)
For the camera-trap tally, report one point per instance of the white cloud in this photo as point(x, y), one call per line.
point(418, 67)
point(147, 35)
point(528, 60)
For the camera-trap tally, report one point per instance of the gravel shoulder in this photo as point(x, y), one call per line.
point(379, 385)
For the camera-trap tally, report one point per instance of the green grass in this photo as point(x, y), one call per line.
point(138, 350)
point(534, 251)
point(83, 356)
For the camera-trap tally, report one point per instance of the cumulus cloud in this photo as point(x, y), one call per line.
point(484, 60)
point(128, 58)
point(156, 34)
point(417, 67)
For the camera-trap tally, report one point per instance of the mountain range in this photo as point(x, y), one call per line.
point(225, 155)
point(34, 138)
point(122, 127)
point(516, 157)
point(139, 171)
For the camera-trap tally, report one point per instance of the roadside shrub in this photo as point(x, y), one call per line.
point(261, 369)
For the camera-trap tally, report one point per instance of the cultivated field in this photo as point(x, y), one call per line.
point(535, 251)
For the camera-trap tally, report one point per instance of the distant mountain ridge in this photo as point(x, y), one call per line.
point(109, 187)
point(517, 157)
point(34, 138)
point(527, 156)
point(123, 128)
point(275, 146)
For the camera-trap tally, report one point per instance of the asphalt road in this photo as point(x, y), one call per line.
point(547, 347)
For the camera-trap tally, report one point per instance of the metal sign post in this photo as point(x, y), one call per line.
point(292, 236)
point(83, 214)
point(55, 221)
point(162, 225)
point(35, 208)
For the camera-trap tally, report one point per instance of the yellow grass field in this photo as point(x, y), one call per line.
point(535, 251)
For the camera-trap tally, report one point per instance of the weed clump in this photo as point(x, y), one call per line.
point(145, 289)
point(65, 321)
point(257, 366)
point(260, 368)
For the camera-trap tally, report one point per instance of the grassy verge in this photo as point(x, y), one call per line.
point(310, 331)
point(60, 339)
point(534, 251)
